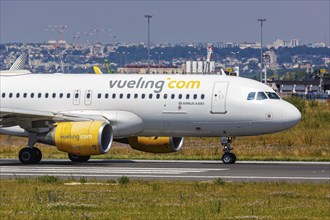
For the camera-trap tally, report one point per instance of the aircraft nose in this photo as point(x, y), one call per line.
point(290, 115)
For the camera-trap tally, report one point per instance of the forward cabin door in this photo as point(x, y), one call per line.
point(219, 96)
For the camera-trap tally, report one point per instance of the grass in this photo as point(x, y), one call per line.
point(40, 199)
point(310, 140)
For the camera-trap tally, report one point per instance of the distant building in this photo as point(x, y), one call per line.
point(317, 45)
point(271, 59)
point(294, 43)
point(302, 87)
point(246, 45)
point(153, 69)
point(197, 67)
point(278, 43)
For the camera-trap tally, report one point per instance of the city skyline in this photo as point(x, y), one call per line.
point(172, 22)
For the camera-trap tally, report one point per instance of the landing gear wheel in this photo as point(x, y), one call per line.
point(38, 154)
point(77, 158)
point(229, 158)
point(30, 155)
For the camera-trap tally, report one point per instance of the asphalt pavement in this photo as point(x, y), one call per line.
point(170, 170)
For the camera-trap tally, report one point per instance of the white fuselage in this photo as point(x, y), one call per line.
point(154, 105)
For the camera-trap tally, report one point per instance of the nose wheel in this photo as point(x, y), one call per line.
point(227, 158)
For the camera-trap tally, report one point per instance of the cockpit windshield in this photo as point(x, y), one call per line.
point(272, 95)
point(251, 96)
point(261, 96)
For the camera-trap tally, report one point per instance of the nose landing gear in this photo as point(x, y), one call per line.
point(227, 158)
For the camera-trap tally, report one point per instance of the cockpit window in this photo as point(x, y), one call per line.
point(261, 96)
point(251, 96)
point(272, 95)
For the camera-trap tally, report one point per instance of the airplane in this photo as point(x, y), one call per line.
point(82, 114)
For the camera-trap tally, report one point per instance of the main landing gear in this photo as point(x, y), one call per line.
point(30, 154)
point(227, 158)
point(77, 158)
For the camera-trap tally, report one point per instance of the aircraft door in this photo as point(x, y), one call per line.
point(219, 96)
point(88, 97)
point(76, 97)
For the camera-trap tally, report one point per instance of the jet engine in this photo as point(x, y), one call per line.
point(80, 138)
point(156, 144)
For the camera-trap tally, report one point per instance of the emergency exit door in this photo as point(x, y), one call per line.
point(219, 96)
point(76, 97)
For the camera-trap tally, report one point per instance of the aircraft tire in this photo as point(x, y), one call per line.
point(38, 155)
point(229, 158)
point(29, 155)
point(78, 159)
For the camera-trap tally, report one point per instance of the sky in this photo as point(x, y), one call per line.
point(173, 21)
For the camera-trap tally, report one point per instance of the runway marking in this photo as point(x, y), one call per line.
point(103, 170)
point(186, 177)
point(220, 162)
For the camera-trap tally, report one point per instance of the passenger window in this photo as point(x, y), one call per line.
point(202, 96)
point(121, 95)
point(272, 95)
point(76, 95)
point(150, 96)
point(32, 95)
point(17, 95)
point(187, 96)
point(251, 96)
point(261, 96)
point(114, 96)
point(10, 95)
point(173, 96)
point(46, 95)
point(3, 95)
point(68, 95)
point(54, 95)
point(135, 95)
point(99, 95)
point(180, 96)
point(106, 95)
point(165, 96)
point(158, 96)
point(39, 95)
point(88, 95)
point(195, 96)
point(24, 95)
point(143, 96)
point(128, 96)
point(61, 95)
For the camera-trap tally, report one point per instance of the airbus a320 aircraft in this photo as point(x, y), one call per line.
point(82, 114)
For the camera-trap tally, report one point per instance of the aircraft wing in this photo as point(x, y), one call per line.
point(38, 121)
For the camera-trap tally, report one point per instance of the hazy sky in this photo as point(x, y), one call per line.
point(172, 21)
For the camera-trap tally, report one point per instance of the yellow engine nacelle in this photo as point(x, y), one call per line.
point(81, 138)
point(156, 144)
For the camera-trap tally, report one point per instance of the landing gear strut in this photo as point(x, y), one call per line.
point(227, 158)
point(30, 155)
